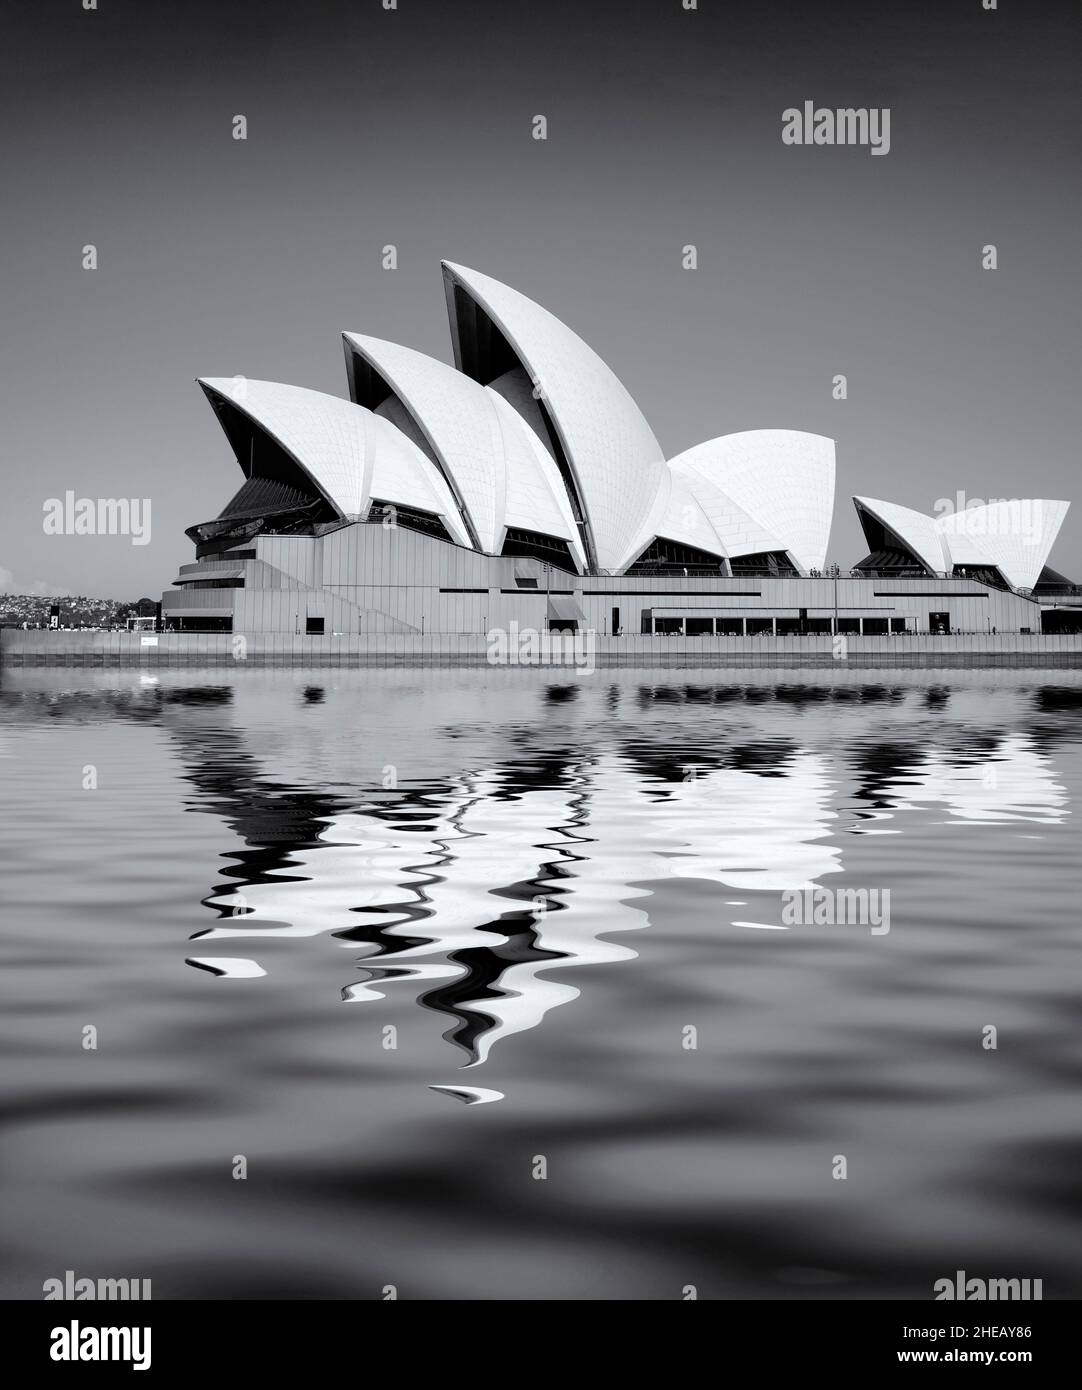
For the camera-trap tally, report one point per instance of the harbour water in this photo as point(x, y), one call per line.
point(483, 984)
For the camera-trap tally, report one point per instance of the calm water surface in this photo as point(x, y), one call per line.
point(396, 936)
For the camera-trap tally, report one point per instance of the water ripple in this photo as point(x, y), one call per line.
point(534, 882)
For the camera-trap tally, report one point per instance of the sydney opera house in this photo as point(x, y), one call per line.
point(524, 485)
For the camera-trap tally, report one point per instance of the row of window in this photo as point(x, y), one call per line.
point(773, 627)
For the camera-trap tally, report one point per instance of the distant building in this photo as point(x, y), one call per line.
point(524, 485)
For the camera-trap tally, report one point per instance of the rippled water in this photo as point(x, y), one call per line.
point(397, 936)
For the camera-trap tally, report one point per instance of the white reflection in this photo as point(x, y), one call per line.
point(512, 886)
point(1015, 783)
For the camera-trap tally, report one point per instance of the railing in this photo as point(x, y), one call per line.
point(882, 572)
point(211, 566)
point(647, 571)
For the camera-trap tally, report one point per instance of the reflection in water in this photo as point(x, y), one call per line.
point(291, 908)
point(479, 890)
point(1008, 781)
point(228, 967)
point(470, 1095)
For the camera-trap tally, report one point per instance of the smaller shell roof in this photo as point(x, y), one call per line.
point(457, 418)
point(765, 490)
point(1016, 535)
point(350, 454)
point(1012, 535)
point(915, 530)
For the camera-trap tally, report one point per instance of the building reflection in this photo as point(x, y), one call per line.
point(515, 854)
point(482, 892)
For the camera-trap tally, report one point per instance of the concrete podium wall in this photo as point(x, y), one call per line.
point(40, 648)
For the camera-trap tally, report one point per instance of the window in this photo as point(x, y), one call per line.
point(668, 626)
point(665, 557)
point(773, 562)
point(898, 625)
point(757, 626)
point(392, 514)
point(192, 623)
point(875, 627)
point(699, 627)
point(551, 549)
point(848, 624)
point(730, 627)
point(314, 627)
point(788, 627)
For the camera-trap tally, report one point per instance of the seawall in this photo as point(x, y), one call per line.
point(104, 649)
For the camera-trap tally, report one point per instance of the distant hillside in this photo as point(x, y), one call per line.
point(76, 610)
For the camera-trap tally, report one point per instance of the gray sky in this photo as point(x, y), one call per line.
point(413, 127)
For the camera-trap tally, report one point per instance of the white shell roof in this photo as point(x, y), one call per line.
point(1016, 535)
point(516, 388)
point(616, 460)
point(916, 530)
point(402, 474)
point(350, 454)
point(536, 499)
point(478, 457)
point(500, 470)
point(322, 433)
point(678, 514)
point(738, 532)
point(457, 418)
point(765, 490)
